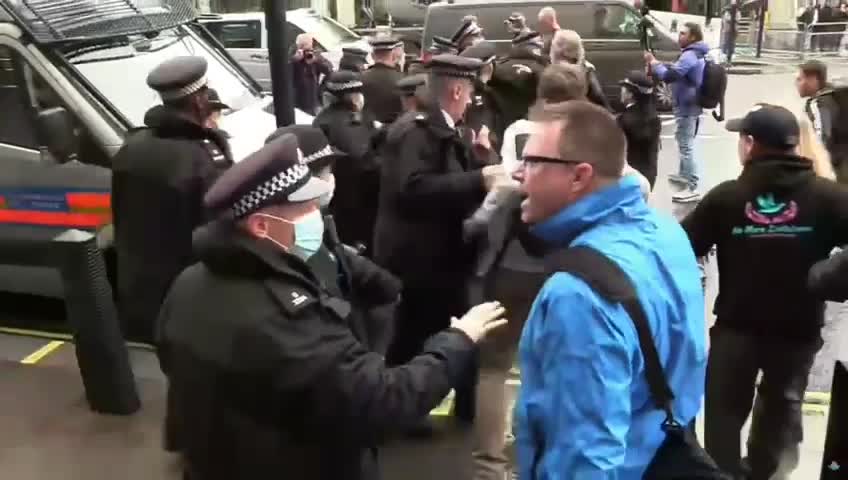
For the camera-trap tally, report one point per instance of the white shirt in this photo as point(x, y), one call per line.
point(510, 155)
point(449, 120)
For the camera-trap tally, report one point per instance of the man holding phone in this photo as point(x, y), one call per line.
point(308, 67)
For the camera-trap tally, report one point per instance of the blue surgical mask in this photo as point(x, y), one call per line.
point(308, 234)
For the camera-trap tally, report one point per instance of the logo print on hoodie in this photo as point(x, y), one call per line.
point(771, 217)
point(770, 212)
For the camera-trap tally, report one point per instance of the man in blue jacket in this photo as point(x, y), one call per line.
point(685, 77)
point(584, 409)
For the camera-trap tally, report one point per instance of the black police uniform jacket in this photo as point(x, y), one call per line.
point(516, 79)
point(159, 179)
point(379, 87)
point(267, 377)
point(486, 108)
point(428, 187)
point(642, 127)
point(354, 203)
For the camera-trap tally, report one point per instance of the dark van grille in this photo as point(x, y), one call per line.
point(50, 21)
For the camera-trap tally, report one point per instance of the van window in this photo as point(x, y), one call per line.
point(234, 34)
point(444, 21)
point(24, 93)
point(17, 123)
point(612, 21)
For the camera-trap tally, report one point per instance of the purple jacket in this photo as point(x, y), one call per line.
point(685, 76)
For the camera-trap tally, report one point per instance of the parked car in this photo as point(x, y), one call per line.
point(72, 85)
point(244, 35)
point(609, 28)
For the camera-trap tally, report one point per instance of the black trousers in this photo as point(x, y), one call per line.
point(423, 312)
point(735, 359)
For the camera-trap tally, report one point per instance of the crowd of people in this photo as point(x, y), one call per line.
point(336, 284)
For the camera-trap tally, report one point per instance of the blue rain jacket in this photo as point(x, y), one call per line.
point(584, 410)
point(685, 77)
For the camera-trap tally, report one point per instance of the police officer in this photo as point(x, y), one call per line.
point(484, 126)
point(353, 59)
point(353, 131)
point(413, 92)
point(429, 185)
point(159, 178)
point(371, 290)
point(265, 374)
point(381, 98)
point(517, 76)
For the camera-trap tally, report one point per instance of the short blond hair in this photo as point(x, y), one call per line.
point(567, 46)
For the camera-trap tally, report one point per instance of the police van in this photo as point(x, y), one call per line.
point(72, 84)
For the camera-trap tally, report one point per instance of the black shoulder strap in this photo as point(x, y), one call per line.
point(606, 278)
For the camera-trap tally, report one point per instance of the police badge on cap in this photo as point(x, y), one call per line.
point(178, 77)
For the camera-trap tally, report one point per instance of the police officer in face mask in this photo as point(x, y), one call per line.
point(484, 123)
point(371, 290)
point(354, 132)
point(265, 371)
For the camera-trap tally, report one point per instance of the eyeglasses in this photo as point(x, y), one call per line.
point(533, 160)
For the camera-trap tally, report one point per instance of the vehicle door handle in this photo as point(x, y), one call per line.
point(258, 56)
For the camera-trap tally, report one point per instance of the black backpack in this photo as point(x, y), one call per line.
point(680, 456)
point(840, 122)
point(713, 87)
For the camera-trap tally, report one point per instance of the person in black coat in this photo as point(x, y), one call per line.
point(265, 371)
point(371, 290)
point(485, 113)
point(567, 47)
point(354, 132)
point(516, 77)
point(382, 100)
point(428, 187)
point(158, 181)
point(641, 124)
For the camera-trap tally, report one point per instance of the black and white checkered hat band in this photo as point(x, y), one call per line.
point(345, 87)
point(387, 46)
point(323, 153)
point(185, 91)
point(284, 182)
point(452, 72)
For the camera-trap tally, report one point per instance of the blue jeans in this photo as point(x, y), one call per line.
point(687, 130)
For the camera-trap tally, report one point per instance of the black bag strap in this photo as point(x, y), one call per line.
point(606, 278)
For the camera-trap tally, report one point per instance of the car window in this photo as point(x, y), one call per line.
point(444, 22)
point(17, 124)
point(237, 34)
point(611, 21)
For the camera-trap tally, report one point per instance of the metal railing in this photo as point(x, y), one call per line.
point(824, 40)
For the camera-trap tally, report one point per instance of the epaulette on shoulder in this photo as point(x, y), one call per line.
point(420, 118)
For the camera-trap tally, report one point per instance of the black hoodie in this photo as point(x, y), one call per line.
point(770, 225)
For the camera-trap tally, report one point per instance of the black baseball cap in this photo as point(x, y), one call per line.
point(769, 125)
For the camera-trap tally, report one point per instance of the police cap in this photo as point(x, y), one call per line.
point(469, 28)
point(449, 65)
point(442, 45)
point(638, 82)
point(384, 42)
point(409, 85)
point(343, 81)
point(355, 52)
point(275, 174)
point(483, 51)
point(317, 151)
point(178, 77)
point(215, 100)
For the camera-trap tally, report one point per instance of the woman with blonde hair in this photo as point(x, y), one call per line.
point(811, 147)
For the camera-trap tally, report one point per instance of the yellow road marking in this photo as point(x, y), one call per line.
point(60, 336)
point(42, 352)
